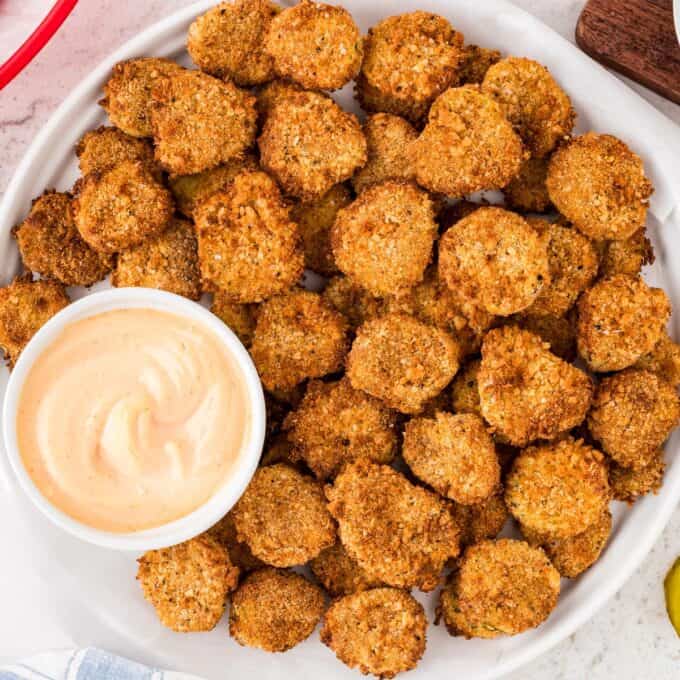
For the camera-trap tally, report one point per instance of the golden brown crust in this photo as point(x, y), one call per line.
point(628, 485)
point(100, 149)
point(239, 553)
point(599, 184)
point(474, 64)
point(248, 246)
point(664, 360)
point(558, 489)
point(188, 583)
point(628, 256)
point(620, 319)
point(298, 335)
point(482, 521)
point(351, 300)
point(275, 610)
point(527, 191)
point(383, 240)
point(464, 389)
point(282, 517)
point(51, 246)
point(402, 361)
point(339, 573)
point(270, 95)
point(380, 631)
point(632, 415)
point(241, 318)
point(400, 533)
point(558, 331)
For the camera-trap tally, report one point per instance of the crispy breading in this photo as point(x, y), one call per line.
point(188, 583)
point(389, 140)
point(462, 119)
point(532, 101)
point(628, 485)
point(599, 184)
point(454, 454)
point(527, 191)
point(336, 424)
point(199, 122)
point(249, 248)
point(409, 60)
point(558, 331)
point(500, 587)
point(314, 220)
point(474, 64)
point(402, 361)
point(380, 631)
point(482, 521)
point(464, 390)
point(239, 553)
point(275, 610)
point(400, 533)
point(315, 44)
point(572, 556)
point(496, 259)
point(353, 301)
point(168, 261)
point(121, 207)
point(559, 488)
point(279, 450)
point(526, 392)
point(25, 305)
point(240, 318)
point(633, 413)
point(104, 147)
point(282, 517)
point(127, 94)
point(309, 144)
point(269, 95)
point(298, 335)
point(620, 319)
point(51, 246)
point(339, 573)
point(383, 240)
point(664, 360)
point(628, 256)
point(228, 41)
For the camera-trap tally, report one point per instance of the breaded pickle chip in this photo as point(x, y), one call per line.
point(599, 184)
point(239, 317)
point(192, 190)
point(271, 94)
point(51, 246)
point(282, 517)
point(248, 246)
point(239, 553)
point(298, 335)
point(25, 305)
point(104, 147)
point(409, 60)
point(532, 101)
point(633, 413)
point(620, 319)
point(340, 574)
point(454, 454)
point(572, 556)
point(199, 122)
point(227, 41)
point(482, 521)
point(168, 261)
point(558, 489)
point(275, 610)
point(351, 300)
point(314, 220)
point(467, 145)
point(496, 259)
point(316, 45)
point(527, 191)
point(628, 484)
point(188, 583)
point(389, 140)
point(121, 207)
point(402, 361)
point(309, 144)
point(501, 587)
point(383, 240)
point(380, 631)
point(127, 94)
point(526, 392)
point(399, 532)
point(664, 360)
point(474, 64)
point(464, 390)
point(336, 424)
point(558, 331)
point(628, 256)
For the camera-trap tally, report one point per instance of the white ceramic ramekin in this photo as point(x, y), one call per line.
point(224, 498)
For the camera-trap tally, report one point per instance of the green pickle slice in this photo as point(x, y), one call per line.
point(671, 586)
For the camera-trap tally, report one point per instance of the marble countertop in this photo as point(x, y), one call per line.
point(630, 638)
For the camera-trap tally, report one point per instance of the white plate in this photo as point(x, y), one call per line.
point(94, 591)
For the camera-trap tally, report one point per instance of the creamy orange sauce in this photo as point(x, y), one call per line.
point(132, 418)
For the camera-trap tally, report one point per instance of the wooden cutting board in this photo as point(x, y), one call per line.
point(636, 38)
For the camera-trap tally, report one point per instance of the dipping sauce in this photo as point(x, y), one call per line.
point(132, 418)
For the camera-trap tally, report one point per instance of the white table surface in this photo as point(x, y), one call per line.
point(630, 638)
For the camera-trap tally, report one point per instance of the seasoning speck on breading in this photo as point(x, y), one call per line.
point(339, 573)
point(501, 587)
point(105, 147)
point(383, 240)
point(527, 191)
point(51, 246)
point(628, 256)
point(482, 521)
point(380, 631)
point(188, 583)
point(620, 319)
point(402, 361)
point(628, 485)
point(282, 517)
point(275, 610)
point(239, 317)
